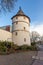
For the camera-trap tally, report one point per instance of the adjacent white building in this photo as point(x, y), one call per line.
point(5, 35)
point(21, 28)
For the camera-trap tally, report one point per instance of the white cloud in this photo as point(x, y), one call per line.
point(38, 28)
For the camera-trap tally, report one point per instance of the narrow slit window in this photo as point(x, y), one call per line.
point(24, 39)
point(24, 17)
point(16, 33)
point(16, 22)
point(24, 28)
point(16, 17)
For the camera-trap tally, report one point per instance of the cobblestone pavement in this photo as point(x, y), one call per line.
point(21, 58)
point(39, 61)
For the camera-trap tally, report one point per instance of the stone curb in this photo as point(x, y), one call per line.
point(37, 58)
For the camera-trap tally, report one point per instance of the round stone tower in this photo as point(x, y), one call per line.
point(21, 28)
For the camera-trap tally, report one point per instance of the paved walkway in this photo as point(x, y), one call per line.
point(38, 60)
point(21, 58)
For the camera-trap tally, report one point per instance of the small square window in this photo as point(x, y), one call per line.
point(24, 28)
point(16, 22)
point(15, 33)
point(24, 39)
point(16, 17)
point(24, 17)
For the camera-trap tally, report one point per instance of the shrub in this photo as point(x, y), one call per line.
point(24, 47)
point(14, 46)
point(33, 48)
point(2, 49)
point(5, 46)
point(33, 43)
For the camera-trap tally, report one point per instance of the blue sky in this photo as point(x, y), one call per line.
point(32, 8)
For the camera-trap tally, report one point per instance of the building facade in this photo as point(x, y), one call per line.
point(5, 35)
point(21, 29)
point(7, 28)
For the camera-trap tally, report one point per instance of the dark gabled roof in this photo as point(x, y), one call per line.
point(20, 13)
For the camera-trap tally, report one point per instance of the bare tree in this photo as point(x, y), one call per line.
point(34, 36)
point(7, 5)
point(41, 39)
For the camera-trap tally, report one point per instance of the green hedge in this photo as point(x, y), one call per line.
point(26, 47)
point(9, 47)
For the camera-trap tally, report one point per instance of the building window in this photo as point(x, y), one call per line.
point(24, 17)
point(16, 33)
point(24, 28)
point(16, 17)
point(24, 39)
point(16, 22)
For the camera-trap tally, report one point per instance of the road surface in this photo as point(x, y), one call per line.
point(38, 58)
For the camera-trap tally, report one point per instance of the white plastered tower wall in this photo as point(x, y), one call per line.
point(21, 29)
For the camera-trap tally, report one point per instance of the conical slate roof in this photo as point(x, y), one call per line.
point(20, 13)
